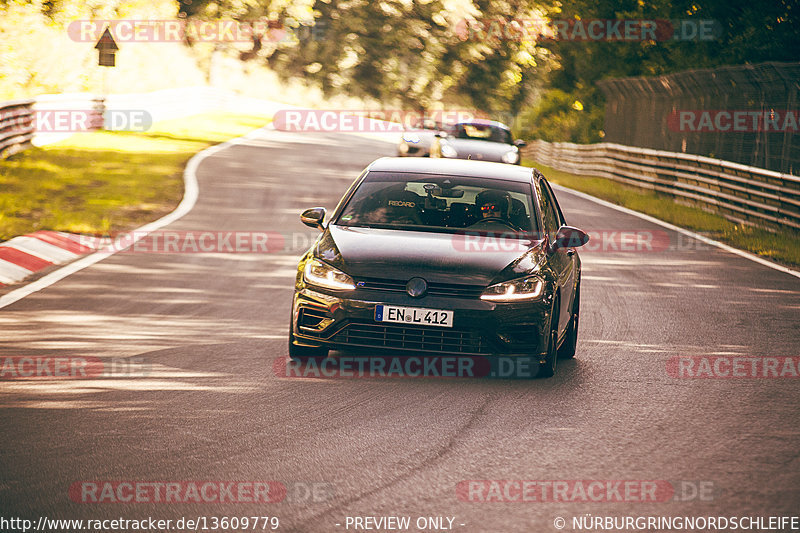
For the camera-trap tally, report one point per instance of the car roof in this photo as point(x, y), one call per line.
point(453, 167)
point(484, 122)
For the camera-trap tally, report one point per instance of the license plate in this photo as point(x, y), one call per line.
point(414, 315)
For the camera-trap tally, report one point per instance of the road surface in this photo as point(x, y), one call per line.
point(210, 326)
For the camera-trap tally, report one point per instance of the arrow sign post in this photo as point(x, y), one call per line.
point(106, 47)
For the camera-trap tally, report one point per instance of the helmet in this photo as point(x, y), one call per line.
point(494, 200)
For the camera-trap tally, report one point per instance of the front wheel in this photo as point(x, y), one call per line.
point(567, 350)
point(548, 368)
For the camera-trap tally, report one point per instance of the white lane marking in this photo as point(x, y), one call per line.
point(40, 249)
point(689, 233)
point(191, 192)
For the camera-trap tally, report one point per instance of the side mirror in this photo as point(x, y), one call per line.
point(519, 143)
point(441, 134)
point(569, 237)
point(313, 217)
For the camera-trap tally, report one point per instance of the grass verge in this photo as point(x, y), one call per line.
point(782, 247)
point(104, 182)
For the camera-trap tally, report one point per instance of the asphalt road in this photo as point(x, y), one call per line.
point(211, 325)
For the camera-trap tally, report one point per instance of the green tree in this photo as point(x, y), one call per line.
point(409, 53)
point(744, 32)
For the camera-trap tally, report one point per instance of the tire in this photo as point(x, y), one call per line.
point(299, 353)
point(567, 350)
point(548, 368)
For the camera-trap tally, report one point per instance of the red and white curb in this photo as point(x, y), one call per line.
point(22, 256)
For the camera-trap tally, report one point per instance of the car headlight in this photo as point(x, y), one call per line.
point(448, 151)
point(529, 288)
point(511, 157)
point(322, 274)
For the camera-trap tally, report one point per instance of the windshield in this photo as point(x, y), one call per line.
point(438, 203)
point(483, 132)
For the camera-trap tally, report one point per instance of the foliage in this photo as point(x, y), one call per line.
point(562, 116)
point(745, 32)
point(37, 55)
point(409, 53)
point(399, 53)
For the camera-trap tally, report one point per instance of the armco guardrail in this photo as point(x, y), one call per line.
point(18, 119)
point(738, 192)
point(17, 126)
point(92, 105)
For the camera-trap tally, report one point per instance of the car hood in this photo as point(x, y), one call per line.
point(481, 150)
point(436, 257)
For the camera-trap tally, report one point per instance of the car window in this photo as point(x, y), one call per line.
point(559, 214)
point(485, 132)
point(440, 203)
point(549, 211)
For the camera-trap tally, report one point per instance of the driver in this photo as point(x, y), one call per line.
point(494, 204)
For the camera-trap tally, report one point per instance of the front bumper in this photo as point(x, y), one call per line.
point(337, 321)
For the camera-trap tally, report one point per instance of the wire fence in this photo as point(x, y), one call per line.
point(747, 114)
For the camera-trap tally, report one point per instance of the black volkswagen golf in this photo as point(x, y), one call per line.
point(443, 257)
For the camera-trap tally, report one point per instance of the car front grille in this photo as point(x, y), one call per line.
point(453, 290)
point(417, 338)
